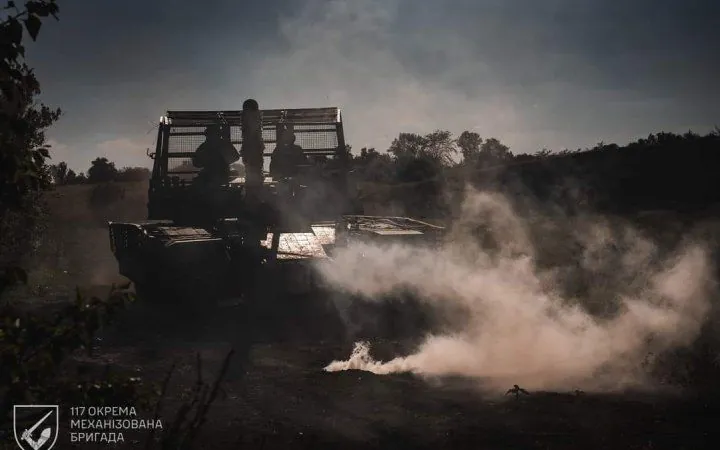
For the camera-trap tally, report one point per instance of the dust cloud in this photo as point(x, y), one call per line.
point(549, 303)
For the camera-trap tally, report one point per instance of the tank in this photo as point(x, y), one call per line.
point(233, 240)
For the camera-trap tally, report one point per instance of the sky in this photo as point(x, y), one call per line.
point(535, 74)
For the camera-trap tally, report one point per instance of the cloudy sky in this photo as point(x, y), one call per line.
point(533, 73)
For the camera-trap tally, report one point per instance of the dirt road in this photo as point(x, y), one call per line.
point(282, 398)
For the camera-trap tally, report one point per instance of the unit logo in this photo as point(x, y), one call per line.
point(36, 426)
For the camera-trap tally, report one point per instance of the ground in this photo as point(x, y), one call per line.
point(280, 397)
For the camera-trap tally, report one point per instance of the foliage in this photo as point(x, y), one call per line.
point(437, 147)
point(21, 229)
point(664, 170)
point(34, 351)
point(469, 143)
point(60, 173)
point(36, 345)
point(23, 122)
point(73, 178)
point(81, 178)
point(133, 174)
point(516, 391)
point(102, 171)
point(344, 155)
point(374, 166)
point(23, 152)
point(492, 153)
point(421, 160)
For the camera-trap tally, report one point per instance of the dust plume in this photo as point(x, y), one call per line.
point(548, 303)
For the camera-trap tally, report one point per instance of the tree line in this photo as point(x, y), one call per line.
point(662, 171)
point(415, 157)
point(101, 170)
point(603, 174)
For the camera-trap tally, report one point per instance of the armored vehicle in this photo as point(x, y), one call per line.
point(248, 232)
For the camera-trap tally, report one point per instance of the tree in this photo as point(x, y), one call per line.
point(484, 154)
point(469, 143)
point(440, 147)
point(492, 149)
point(23, 121)
point(374, 166)
point(102, 171)
point(24, 173)
point(344, 155)
point(437, 146)
point(366, 155)
point(72, 177)
point(60, 173)
point(133, 174)
point(81, 178)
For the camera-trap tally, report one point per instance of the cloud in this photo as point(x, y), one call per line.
point(552, 74)
point(343, 53)
point(502, 70)
point(124, 152)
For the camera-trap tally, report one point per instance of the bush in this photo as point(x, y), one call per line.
point(34, 345)
point(35, 349)
point(133, 174)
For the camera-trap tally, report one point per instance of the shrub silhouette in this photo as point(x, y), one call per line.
point(102, 171)
point(516, 391)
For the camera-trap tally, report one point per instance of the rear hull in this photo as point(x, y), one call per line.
point(194, 259)
point(197, 267)
point(194, 272)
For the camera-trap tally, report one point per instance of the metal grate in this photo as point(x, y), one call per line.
point(297, 116)
point(317, 131)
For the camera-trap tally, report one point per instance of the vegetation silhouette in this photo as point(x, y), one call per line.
point(516, 391)
point(37, 343)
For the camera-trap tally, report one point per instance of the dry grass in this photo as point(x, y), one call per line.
point(75, 248)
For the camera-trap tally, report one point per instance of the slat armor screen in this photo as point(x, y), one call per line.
point(317, 130)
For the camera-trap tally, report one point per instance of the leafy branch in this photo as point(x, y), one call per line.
point(22, 122)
